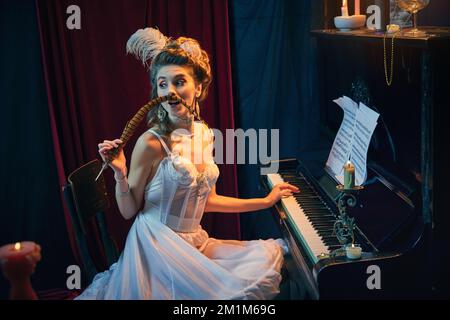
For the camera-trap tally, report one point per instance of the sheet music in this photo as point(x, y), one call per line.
point(366, 121)
point(352, 139)
point(342, 145)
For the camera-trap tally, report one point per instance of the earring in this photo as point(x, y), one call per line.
point(161, 114)
point(197, 109)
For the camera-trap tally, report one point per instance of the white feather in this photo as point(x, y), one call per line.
point(146, 43)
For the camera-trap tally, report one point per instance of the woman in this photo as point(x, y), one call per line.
point(167, 254)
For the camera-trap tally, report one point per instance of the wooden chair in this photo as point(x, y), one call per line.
point(87, 201)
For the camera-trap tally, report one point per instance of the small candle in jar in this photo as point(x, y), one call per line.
point(353, 251)
point(349, 175)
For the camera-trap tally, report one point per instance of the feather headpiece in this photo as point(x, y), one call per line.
point(145, 44)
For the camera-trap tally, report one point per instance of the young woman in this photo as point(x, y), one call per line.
point(167, 254)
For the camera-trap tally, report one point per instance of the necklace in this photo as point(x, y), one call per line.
point(391, 75)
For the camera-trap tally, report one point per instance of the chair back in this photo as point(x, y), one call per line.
point(87, 200)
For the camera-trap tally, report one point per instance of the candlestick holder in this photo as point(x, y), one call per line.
point(348, 23)
point(344, 225)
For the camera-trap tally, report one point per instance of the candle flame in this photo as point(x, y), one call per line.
point(344, 3)
point(17, 246)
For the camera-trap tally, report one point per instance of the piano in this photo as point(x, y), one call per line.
point(389, 228)
point(401, 215)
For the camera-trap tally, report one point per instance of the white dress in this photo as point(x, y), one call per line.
point(168, 255)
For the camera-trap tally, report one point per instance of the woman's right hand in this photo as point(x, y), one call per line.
point(281, 190)
point(119, 163)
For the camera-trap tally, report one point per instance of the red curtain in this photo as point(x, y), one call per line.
point(93, 87)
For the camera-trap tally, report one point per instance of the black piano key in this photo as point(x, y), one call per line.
point(307, 197)
point(315, 212)
point(306, 200)
point(318, 225)
point(323, 228)
point(326, 232)
point(330, 241)
point(321, 225)
point(318, 213)
point(333, 246)
point(320, 209)
point(312, 206)
point(330, 237)
point(312, 217)
point(303, 201)
point(318, 218)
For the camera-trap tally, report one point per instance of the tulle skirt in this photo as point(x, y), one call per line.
point(158, 263)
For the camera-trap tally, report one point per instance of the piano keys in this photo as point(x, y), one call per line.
point(309, 215)
point(388, 228)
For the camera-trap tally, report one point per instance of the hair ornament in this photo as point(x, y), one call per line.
point(192, 47)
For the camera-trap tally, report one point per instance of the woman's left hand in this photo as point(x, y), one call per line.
point(279, 191)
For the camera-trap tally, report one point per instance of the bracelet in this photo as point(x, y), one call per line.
point(121, 179)
point(124, 176)
point(122, 193)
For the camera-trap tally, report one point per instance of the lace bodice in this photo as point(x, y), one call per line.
point(178, 191)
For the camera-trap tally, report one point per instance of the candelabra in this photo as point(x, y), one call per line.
point(344, 226)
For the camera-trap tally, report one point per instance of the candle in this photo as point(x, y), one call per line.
point(344, 8)
point(357, 7)
point(349, 176)
point(18, 262)
point(353, 251)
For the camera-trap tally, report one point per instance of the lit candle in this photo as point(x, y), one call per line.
point(353, 251)
point(357, 7)
point(349, 175)
point(18, 262)
point(344, 8)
